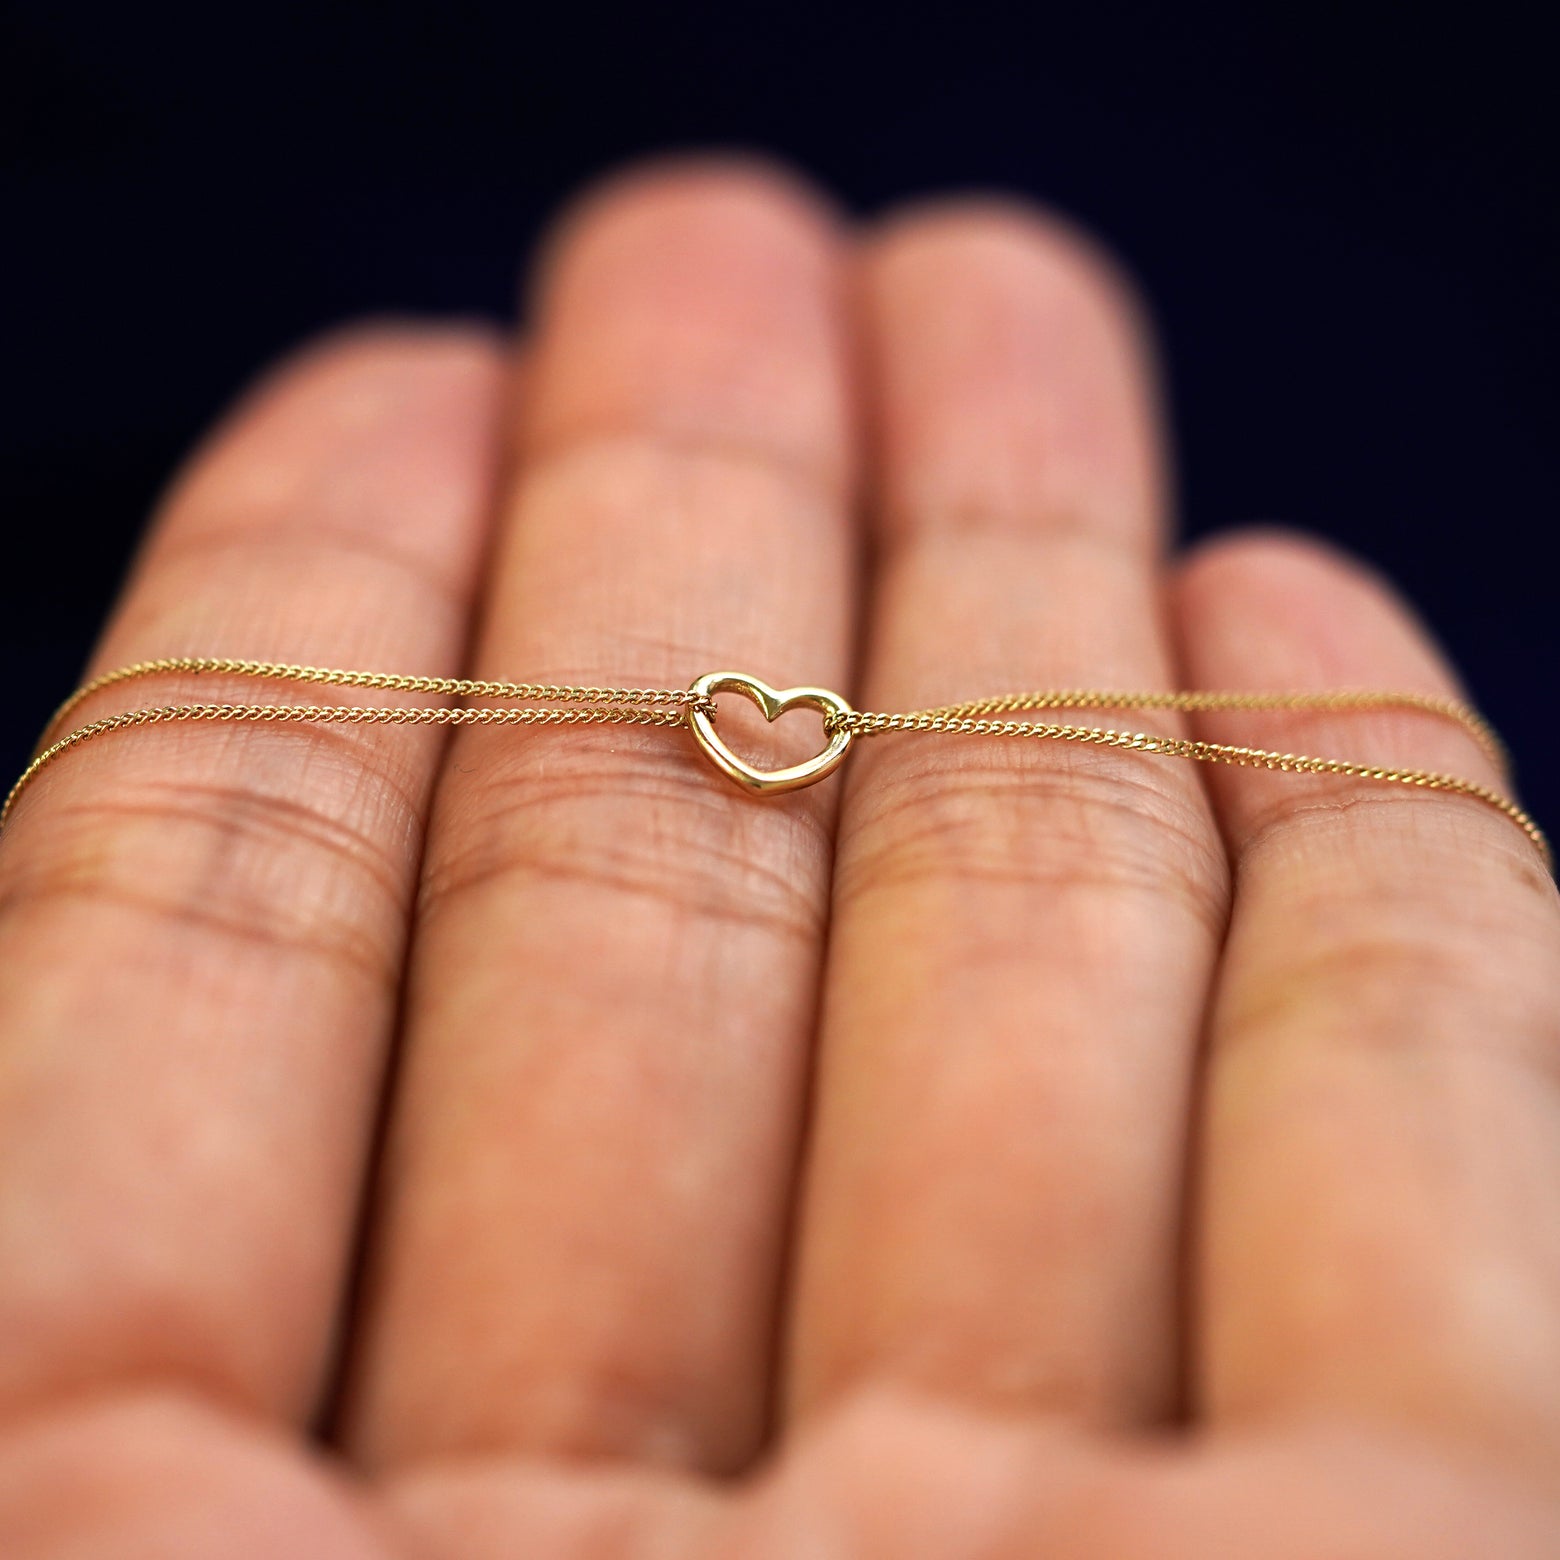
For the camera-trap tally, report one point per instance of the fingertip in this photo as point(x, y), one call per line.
point(1015, 376)
point(1311, 601)
point(694, 299)
point(736, 188)
point(1270, 548)
point(388, 346)
point(352, 368)
point(1273, 608)
point(444, 377)
point(1005, 233)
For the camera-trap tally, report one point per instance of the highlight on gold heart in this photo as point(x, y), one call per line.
point(773, 703)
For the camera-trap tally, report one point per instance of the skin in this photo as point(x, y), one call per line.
point(524, 1143)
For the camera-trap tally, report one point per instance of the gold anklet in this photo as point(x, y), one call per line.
point(552, 704)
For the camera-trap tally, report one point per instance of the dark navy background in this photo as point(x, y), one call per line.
point(1344, 218)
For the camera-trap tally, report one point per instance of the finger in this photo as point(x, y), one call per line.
point(201, 928)
point(888, 1477)
point(616, 966)
point(482, 1508)
point(1383, 1124)
point(160, 1476)
point(1022, 933)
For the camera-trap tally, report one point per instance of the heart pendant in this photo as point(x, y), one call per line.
point(774, 703)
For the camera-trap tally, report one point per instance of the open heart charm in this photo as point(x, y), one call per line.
point(774, 703)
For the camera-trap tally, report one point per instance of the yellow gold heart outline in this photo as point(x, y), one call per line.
point(774, 702)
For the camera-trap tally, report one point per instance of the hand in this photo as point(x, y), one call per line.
point(1010, 1149)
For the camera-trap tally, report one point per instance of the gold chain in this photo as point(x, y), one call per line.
point(695, 707)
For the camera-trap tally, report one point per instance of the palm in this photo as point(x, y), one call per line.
point(1002, 1152)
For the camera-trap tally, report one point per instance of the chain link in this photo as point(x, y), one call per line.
point(589, 706)
point(334, 677)
point(1339, 700)
point(950, 719)
point(585, 706)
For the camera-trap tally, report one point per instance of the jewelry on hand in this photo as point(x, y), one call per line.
point(552, 704)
